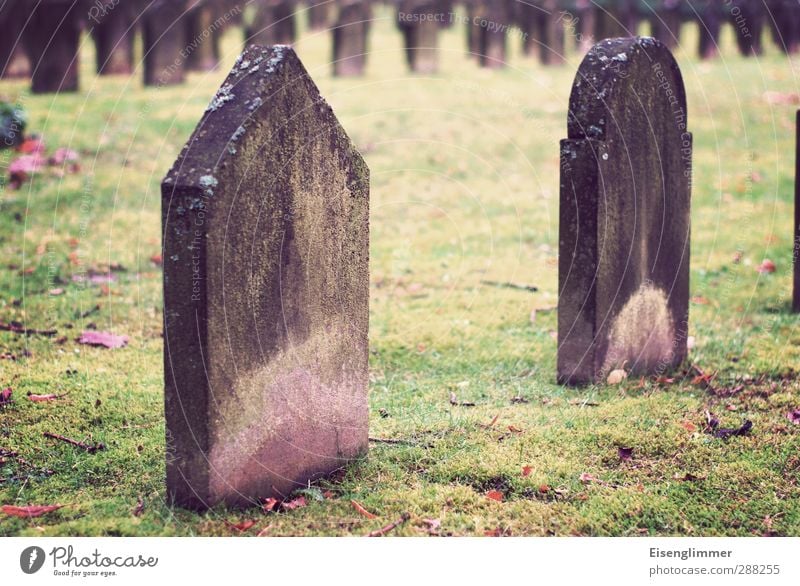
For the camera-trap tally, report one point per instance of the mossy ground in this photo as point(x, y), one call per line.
point(464, 190)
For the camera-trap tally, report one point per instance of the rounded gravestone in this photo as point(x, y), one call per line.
point(624, 214)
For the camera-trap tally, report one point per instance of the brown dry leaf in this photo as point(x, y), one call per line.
point(29, 511)
point(43, 398)
point(269, 505)
point(689, 426)
point(514, 429)
point(358, 507)
point(495, 495)
point(243, 526)
point(615, 377)
point(297, 503)
point(586, 477)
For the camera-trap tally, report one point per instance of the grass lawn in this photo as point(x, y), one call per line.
point(464, 190)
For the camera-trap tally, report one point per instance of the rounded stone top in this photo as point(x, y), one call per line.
point(620, 79)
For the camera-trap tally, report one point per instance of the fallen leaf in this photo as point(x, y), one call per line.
point(526, 470)
point(29, 511)
point(544, 489)
point(104, 339)
point(433, 525)
point(243, 526)
point(496, 532)
point(625, 453)
point(157, 260)
point(794, 416)
point(767, 266)
point(56, 292)
point(495, 495)
point(5, 396)
point(362, 510)
point(726, 432)
point(269, 505)
point(293, 504)
point(700, 300)
point(615, 377)
point(586, 477)
point(689, 426)
point(514, 429)
point(43, 398)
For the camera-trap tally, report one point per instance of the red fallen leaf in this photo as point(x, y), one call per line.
point(700, 300)
point(496, 532)
point(29, 511)
point(32, 145)
point(495, 495)
point(544, 489)
point(328, 494)
point(269, 505)
point(625, 453)
point(5, 396)
point(105, 339)
point(362, 510)
point(526, 470)
point(43, 398)
point(157, 260)
point(297, 503)
point(243, 526)
point(663, 380)
point(514, 429)
point(689, 426)
point(767, 266)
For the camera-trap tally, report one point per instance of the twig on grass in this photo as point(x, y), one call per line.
point(88, 447)
point(390, 527)
point(509, 285)
point(18, 329)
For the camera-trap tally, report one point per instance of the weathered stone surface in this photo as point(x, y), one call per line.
point(624, 215)
point(266, 237)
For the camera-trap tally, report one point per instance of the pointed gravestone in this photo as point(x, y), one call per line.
point(624, 215)
point(266, 237)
